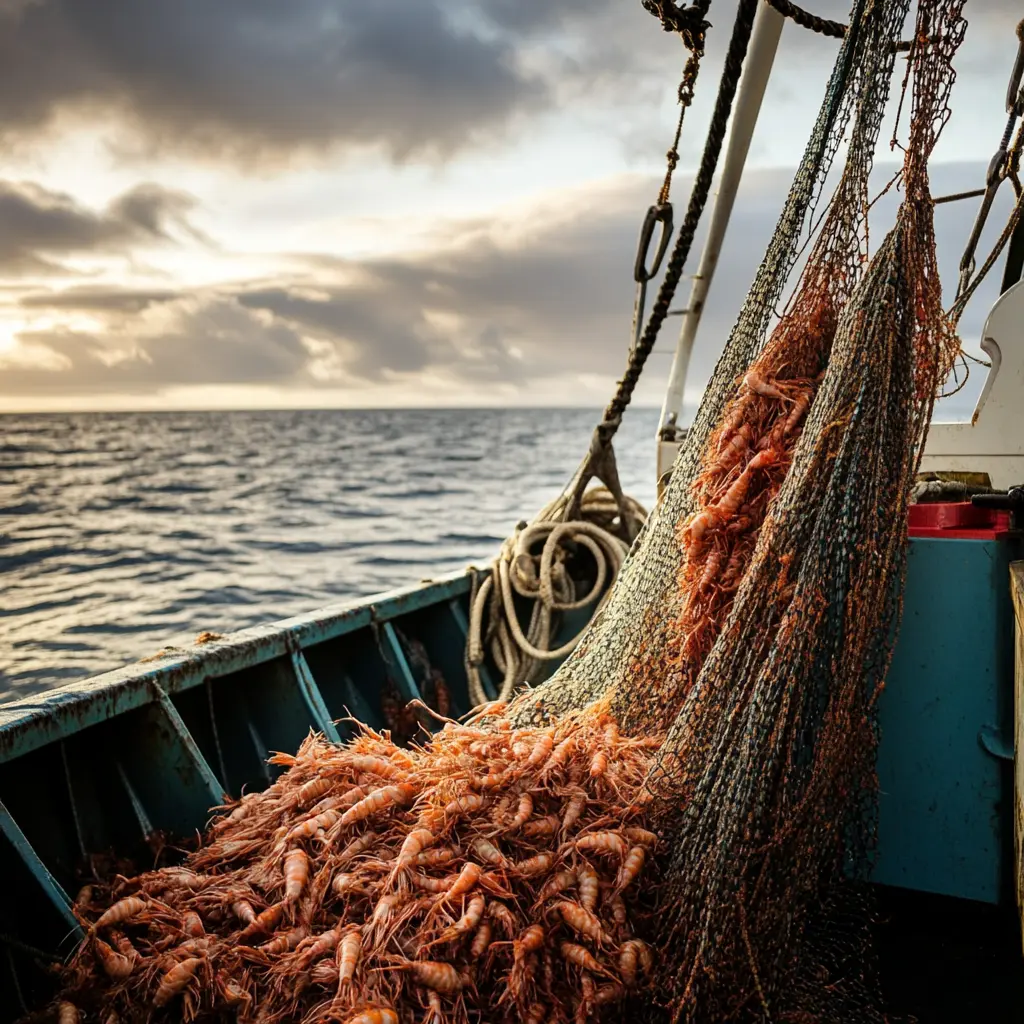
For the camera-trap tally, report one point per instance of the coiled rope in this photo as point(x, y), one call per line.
point(533, 565)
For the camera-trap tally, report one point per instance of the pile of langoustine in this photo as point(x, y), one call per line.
point(490, 874)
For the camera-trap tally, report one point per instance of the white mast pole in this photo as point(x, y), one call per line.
point(757, 68)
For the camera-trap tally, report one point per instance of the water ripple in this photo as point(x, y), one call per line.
point(120, 533)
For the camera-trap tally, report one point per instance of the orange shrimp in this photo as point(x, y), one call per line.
point(374, 1015)
point(438, 976)
point(733, 451)
point(587, 996)
point(116, 965)
point(800, 406)
point(359, 845)
point(753, 381)
point(629, 957)
point(467, 878)
point(640, 836)
point(321, 946)
point(263, 922)
point(481, 940)
point(312, 791)
point(324, 973)
point(598, 764)
point(351, 796)
point(438, 855)
point(175, 981)
point(415, 843)
point(495, 884)
point(468, 922)
point(124, 946)
point(582, 921)
point(503, 916)
point(309, 828)
point(67, 1013)
point(574, 808)
point(618, 908)
point(541, 751)
point(589, 887)
point(470, 803)
point(348, 956)
point(192, 924)
point(547, 826)
point(602, 842)
point(422, 881)
point(558, 882)
point(536, 865)
point(296, 874)
point(488, 852)
point(233, 993)
point(523, 813)
point(123, 910)
point(378, 800)
point(242, 909)
point(631, 867)
point(561, 753)
point(283, 943)
point(192, 947)
point(377, 766)
point(529, 941)
point(494, 779)
point(345, 882)
point(581, 957)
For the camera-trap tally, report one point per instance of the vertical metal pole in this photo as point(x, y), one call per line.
point(757, 68)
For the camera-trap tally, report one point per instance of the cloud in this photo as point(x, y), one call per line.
point(39, 227)
point(539, 300)
point(244, 77)
point(192, 341)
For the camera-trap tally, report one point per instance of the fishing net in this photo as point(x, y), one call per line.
point(757, 612)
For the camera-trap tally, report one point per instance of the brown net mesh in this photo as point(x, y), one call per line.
point(756, 615)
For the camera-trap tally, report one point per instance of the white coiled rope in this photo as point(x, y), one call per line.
point(532, 564)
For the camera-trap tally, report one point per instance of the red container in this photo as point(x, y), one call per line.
point(958, 520)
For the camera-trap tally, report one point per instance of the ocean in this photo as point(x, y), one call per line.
point(121, 533)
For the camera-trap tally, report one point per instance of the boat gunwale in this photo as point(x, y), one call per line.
point(35, 721)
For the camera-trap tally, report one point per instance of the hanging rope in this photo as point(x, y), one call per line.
point(823, 26)
point(535, 565)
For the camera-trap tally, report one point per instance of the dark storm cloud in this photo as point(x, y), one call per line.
point(548, 303)
point(38, 227)
point(264, 80)
point(261, 75)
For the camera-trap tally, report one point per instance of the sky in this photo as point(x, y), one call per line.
point(335, 203)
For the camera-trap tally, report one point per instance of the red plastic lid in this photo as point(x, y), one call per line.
point(958, 520)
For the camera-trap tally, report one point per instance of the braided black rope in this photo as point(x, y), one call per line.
point(698, 200)
point(823, 26)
